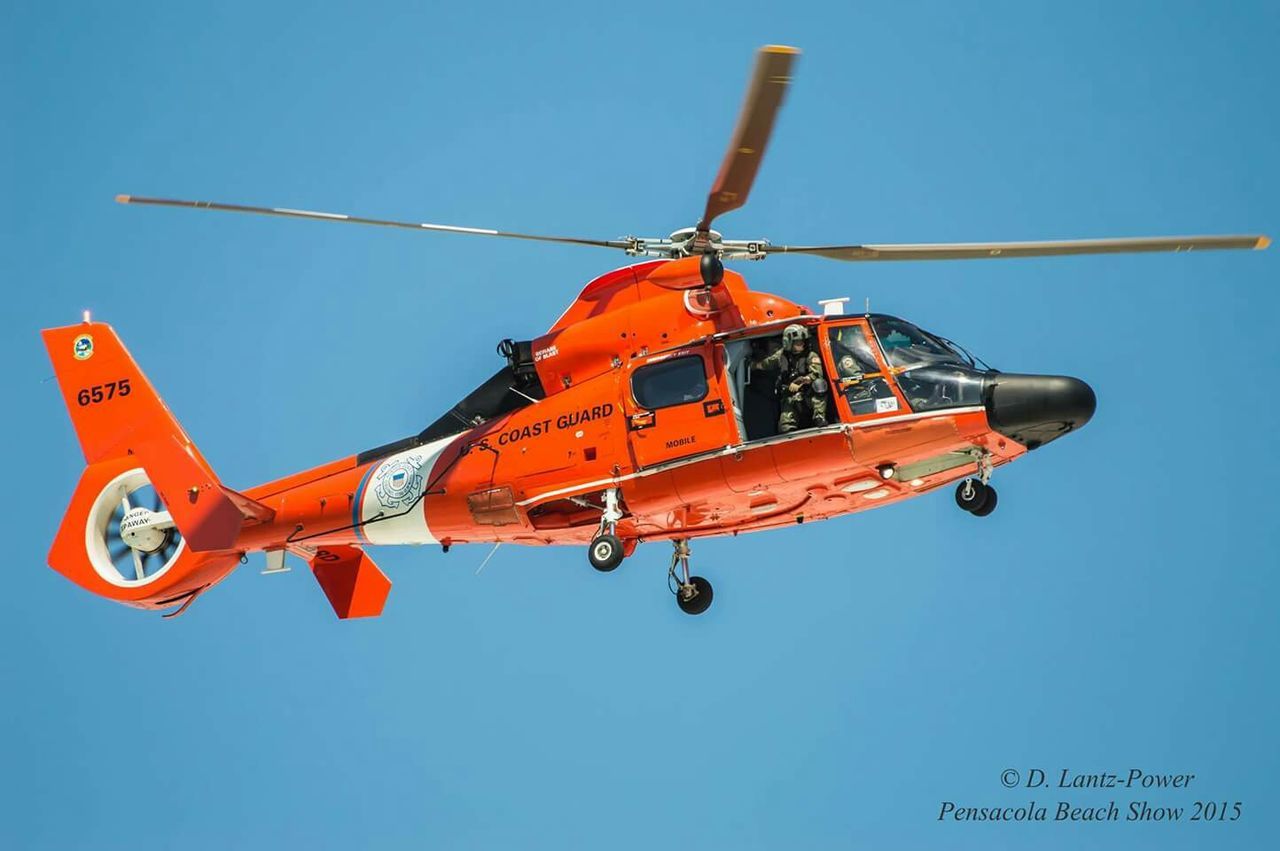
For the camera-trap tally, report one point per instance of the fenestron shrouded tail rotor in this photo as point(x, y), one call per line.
point(133, 529)
point(770, 78)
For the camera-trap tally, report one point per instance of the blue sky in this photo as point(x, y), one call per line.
point(1117, 611)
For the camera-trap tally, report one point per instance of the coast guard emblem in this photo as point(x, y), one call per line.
point(82, 347)
point(399, 482)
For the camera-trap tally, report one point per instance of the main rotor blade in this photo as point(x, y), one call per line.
point(362, 220)
point(768, 86)
point(999, 250)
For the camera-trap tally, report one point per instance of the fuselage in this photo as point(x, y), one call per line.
point(686, 431)
point(657, 407)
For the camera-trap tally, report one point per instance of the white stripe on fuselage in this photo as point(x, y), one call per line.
point(392, 507)
point(393, 510)
point(744, 447)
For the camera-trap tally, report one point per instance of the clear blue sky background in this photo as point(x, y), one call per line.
point(1117, 611)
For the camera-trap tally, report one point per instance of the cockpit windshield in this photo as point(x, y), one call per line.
point(932, 372)
point(906, 346)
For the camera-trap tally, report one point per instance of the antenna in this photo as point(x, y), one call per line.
point(486, 558)
point(868, 308)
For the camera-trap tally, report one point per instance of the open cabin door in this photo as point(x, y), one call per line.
point(677, 405)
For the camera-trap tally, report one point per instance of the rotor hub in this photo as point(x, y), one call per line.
point(689, 242)
point(138, 530)
point(688, 236)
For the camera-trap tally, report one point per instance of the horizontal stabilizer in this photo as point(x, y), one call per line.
point(252, 510)
point(356, 588)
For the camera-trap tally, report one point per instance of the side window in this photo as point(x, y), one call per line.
point(851, 340)
point(670, 382)
point(857, 373)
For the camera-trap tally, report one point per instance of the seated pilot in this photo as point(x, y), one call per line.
point(847, 366)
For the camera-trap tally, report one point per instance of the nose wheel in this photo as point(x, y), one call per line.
point(693, 593)
point(975, 497)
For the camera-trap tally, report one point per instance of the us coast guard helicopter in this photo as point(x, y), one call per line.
point(648, 412)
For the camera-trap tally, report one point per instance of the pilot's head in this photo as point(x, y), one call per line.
point(847, 366)
point(794, 337)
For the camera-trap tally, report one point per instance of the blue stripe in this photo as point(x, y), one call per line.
point(359, 501)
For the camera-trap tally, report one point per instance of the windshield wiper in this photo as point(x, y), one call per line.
point(967, 355)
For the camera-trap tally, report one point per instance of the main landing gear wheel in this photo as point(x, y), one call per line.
point(605, 553)
point(693, 593)
point(694, 597)
point(975, 497)
point(990, 504)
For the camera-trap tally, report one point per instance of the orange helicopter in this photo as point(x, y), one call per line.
point(669, 402)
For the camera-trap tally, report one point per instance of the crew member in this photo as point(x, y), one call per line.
point(801, 385)
point(847, 368)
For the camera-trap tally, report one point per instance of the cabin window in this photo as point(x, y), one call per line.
point(670, 382)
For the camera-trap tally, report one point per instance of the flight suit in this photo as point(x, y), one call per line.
point(805, 367)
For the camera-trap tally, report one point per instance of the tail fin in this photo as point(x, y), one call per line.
point(117, 413)
point(112, 404)
point(130, 441)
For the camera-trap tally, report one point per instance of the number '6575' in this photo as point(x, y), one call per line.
point(103, 392)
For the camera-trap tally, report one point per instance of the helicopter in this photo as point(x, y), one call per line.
point(658, 407)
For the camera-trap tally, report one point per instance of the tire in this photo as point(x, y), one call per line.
point(700, 601)
point(978, 498)
point(988, 506)
point(605, 553)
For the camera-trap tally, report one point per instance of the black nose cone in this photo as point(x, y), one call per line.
point(1035, 409)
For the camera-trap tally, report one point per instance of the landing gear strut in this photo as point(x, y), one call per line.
point(693, 593)
point(606, 551)
point(977, 496)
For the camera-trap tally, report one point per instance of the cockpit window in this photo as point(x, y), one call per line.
point(858, 374)
point(929, 388)
point(851, 351)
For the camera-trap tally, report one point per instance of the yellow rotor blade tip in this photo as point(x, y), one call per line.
point(1263, 242)
point(779, 48)
point(123, 199)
